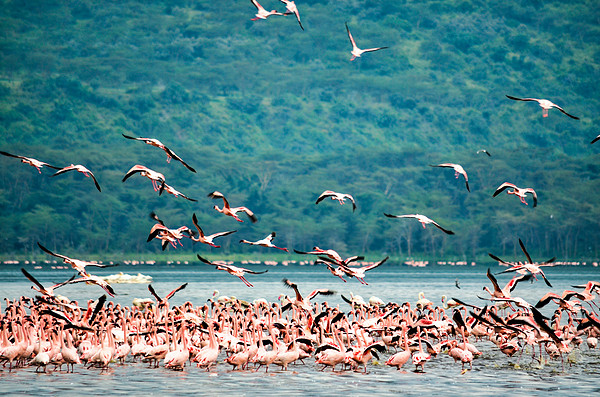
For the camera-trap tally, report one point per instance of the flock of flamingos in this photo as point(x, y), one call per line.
point(50, 330)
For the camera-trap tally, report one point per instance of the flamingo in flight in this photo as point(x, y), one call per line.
point(162, 232)
point(528, 267)
point(165, 301)
point(341, 197)
point(458, 170)
point(76, 264)
point(423, 219)
point(173, 191)
point(234, 270)
point(265, 242)
point(300, 301)
point(47, 291)
point(32, 162)
point(544, 104)
point(484, 151)
point(81, 169)
point(519, 192)
point(357, 52)
point(154, 176)
point(261, 13)
point(92, 279)
point(227, 210)
point(292, 9)
point(202, 238)
point(332, 254)
point(359, 273)
point(156, 143)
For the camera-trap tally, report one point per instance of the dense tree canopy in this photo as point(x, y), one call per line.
point(271, 116)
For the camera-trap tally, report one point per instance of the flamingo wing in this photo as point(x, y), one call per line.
point(153, 292)
point(563, 111)
point(593, 140)
point(441, 228)
point(350, 37)
point(322, 291)
point(170, 294)
point(324, 195)
point(525, 251)
point(32, 279)
point(195, 222)
point(533, 193)
point(522, 99)
point(46, 250)
point(502, 187)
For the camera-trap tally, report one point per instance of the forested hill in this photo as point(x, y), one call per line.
point(271, 116)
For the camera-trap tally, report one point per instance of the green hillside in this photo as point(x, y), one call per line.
point(271, 116)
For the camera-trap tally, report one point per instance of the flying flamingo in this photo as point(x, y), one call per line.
point(292, 9)
point(359, 273)
point(47, 291)
point(265, 242)
point(227, 210)
point(304, 303)
point(332, 255)
point(32, 162)
point(544, 104)
point(156, 143)
point(262, 13)
point(357, 52)
point(341, 197)
point(81, 169)
point(458, 170)
point(234, 270)
point(519, 192)
point(154, 176)
point(76, 264)
point(207, 239)
point(421, 218)
point(92, 279)
point(165, 301)
point(171, 190)
point(484, 151)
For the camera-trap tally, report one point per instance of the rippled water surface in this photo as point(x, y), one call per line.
point(493, 373)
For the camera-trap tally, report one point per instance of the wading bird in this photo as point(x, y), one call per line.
point(458, 170)
point(341, 197)
point(227, 210)
point(207, 239)
point(76, 264)
point(156, 143)
point(544, 104)
point(421, 218)
point(154, 176)
point(292, 9)
point(261, 13)
point(79, 168)
point(33, 162)
point(234, 270)
point(517, 191)
point(357, 52)
point(265, 242)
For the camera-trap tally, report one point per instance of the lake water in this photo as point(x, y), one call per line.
point(493, 373)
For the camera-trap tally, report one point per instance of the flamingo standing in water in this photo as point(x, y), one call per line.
point(357, 52)
point(81, 169)
point(154, 176)
point(234, 270)
point(261, 13)
point(292, 9)
point(202, 238)
point(341, 197)
point(544, 104)
point(519, 192)
point(33, 162)
point(265, 242)
point(423, 219)
point(458, 170)
point(227, 210)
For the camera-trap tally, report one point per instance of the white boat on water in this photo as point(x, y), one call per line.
point(122, 278)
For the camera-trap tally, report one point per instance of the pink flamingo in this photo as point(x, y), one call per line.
point(234, 270)
point(79, 168)
point(423, 219)
point(341, 197)
point(202, 238)
point(265, 242)
point(154, 176)
point(544, 104)
point(261, 13)
point(458, 170)
point(227, 210)
point(156, 143)
point(357, 52)
point(517, 191)
point(32, 162)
